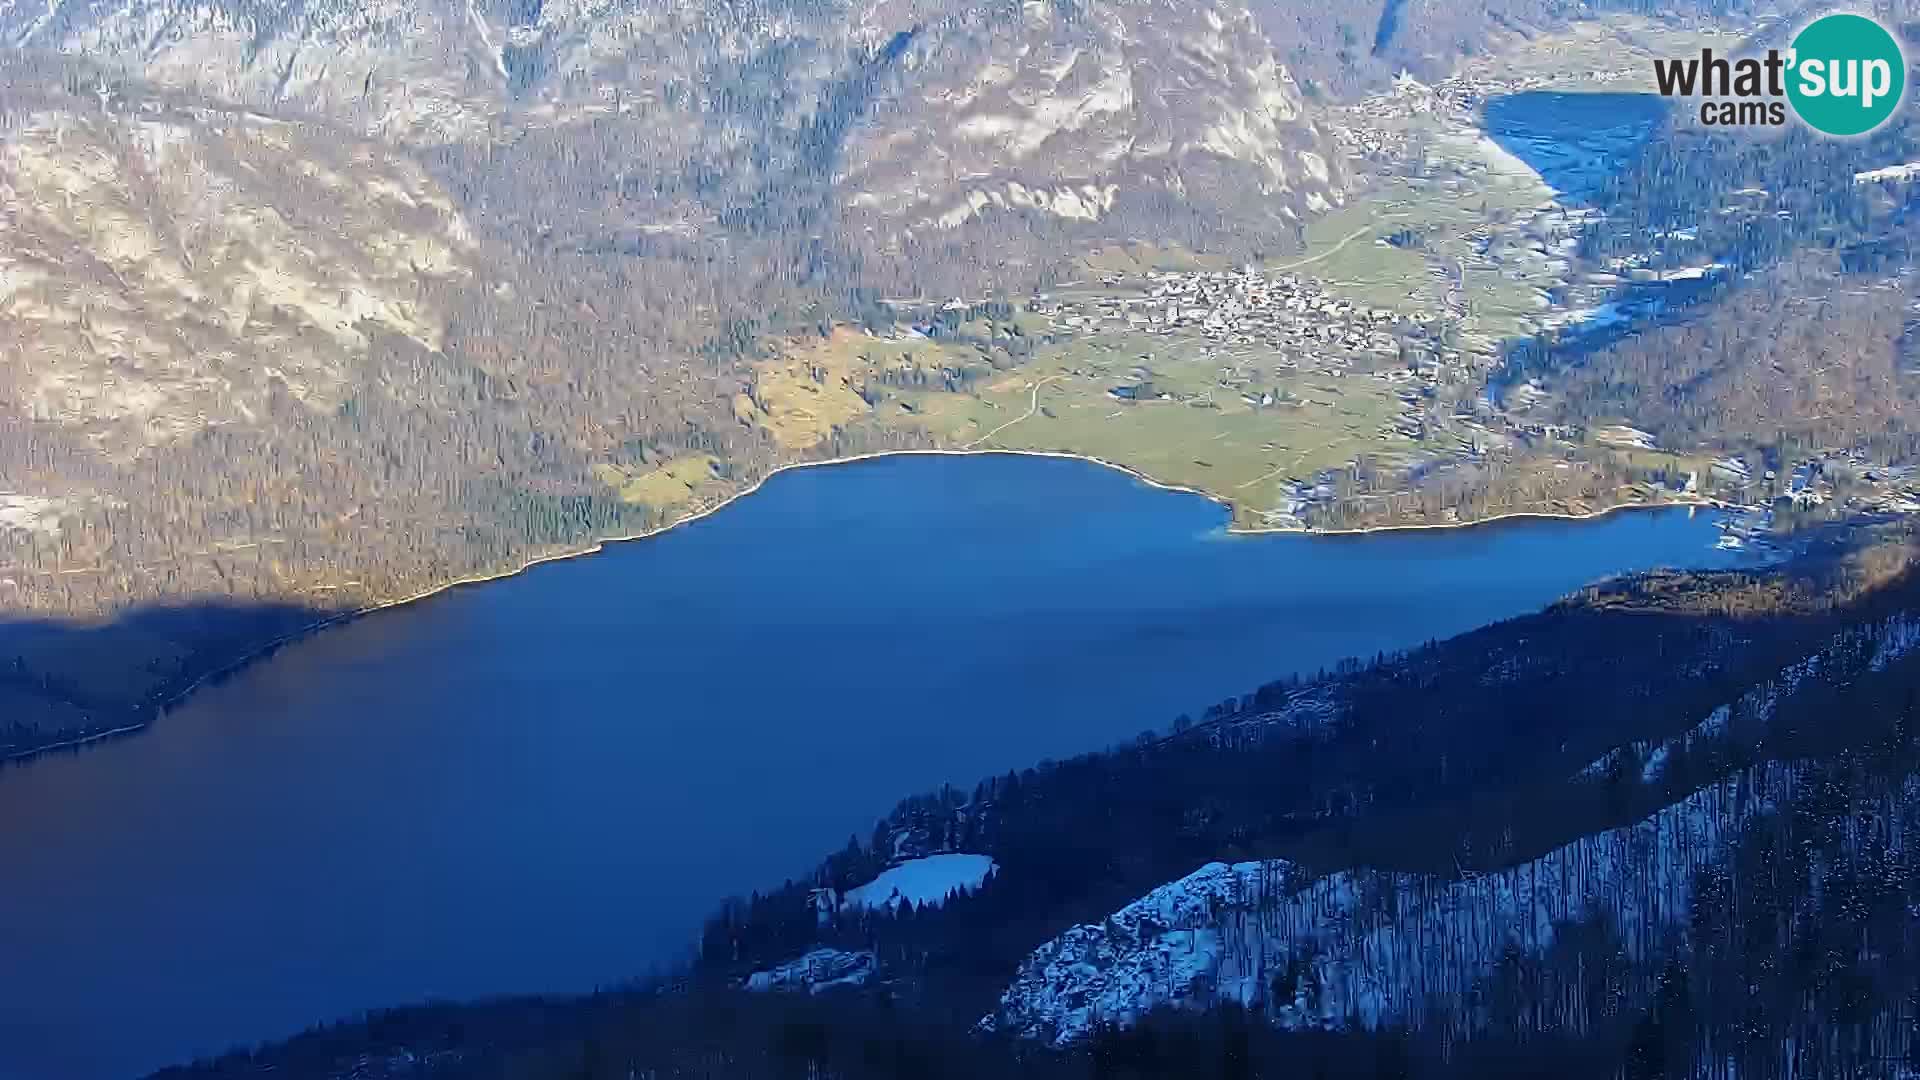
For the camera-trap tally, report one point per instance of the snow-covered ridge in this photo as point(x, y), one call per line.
point(1360, 947)
point(1712, 727)
point(1851, 652)
point(1161, 949)
point(1654, 755)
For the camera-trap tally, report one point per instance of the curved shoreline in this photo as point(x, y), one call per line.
point(148, 711)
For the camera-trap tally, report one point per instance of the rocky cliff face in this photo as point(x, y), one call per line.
point(166, 269)
point(393, 68)
point(925, 116)
point(1064, 111)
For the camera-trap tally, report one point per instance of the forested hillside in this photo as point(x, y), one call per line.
point(1803, 343)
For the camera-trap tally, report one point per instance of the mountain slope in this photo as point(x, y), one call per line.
point(1376, 949)
point(1072, 103)
point(166, 270)
point(1065, 112)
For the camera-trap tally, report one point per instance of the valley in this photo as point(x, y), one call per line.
point(1365, 381)
point(523, 335)
point(940, 363)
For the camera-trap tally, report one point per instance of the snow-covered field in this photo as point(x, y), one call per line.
point(1588, 319)
point(922, 881)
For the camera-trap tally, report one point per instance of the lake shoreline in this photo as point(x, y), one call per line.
point(469, 754)
point(139, 718)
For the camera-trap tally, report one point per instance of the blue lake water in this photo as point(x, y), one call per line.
point(1575, 141)
point(544, 783)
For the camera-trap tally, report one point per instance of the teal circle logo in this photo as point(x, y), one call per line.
point(1847, 74)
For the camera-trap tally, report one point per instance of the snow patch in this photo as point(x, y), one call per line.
point(922, 881)
point(1588, 319)
point(1656, 763)
point(34, 513)
point(1889, 172)
point(486, 41)
point(1084, 203)
point(818, 970)
point(1694, 273)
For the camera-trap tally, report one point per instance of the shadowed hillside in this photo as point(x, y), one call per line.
point(64, 680)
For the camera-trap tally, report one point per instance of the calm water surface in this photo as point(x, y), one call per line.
point(544, 783)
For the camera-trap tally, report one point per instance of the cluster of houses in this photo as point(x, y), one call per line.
point(1838, 477)
point(1375, 126)
point(1308, 328)
point(1808, 483)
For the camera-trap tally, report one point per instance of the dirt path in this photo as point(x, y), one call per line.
point(1334, 250)
point(1032, 407)
point(1276, 470)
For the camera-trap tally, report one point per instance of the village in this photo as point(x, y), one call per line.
point(1263, 330)
point(1281, 320)
point(1761, 503)
point(1377, 128)
point(1247, 307)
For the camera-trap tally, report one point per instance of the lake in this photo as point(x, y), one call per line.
point(1575, 141)
point(544, 783)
